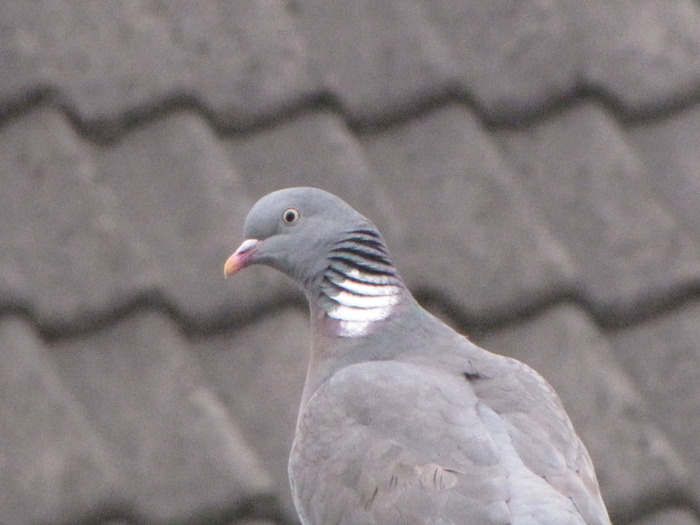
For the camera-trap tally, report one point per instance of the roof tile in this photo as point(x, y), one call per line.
point(510, 56)
point(65, 253)
point(661, 354)
point(54, 463)
point(178, 449)
point(670, 516)
point(379, 56)
point(644, 54)
point(454, 195)
point(593, 190)
point(669, 149)
point(244, 59)
point(259, 371)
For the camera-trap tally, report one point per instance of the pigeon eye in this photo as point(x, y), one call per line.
point(290, 215)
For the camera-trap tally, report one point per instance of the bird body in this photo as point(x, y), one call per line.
point(402, 419)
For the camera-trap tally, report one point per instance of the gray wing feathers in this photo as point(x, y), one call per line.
point(544, 437)
point(377, 462)
point(389, 442)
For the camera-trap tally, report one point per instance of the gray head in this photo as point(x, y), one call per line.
point(333, 251)
point(293, 231)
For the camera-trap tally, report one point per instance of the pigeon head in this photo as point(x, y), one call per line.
point(333, 251)
point(293, 230)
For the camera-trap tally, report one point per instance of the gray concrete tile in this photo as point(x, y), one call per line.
point(464, 229)
point(633, 456)
point(378, 56)
point(242, 59)
point(661, 356)
point(65, 252)
point(55, 465)
point(670, 516)
point(592, 189)
point(511, 57)
point(258, 371)
point(669, 149)
point(178, 449)
point(641, 54)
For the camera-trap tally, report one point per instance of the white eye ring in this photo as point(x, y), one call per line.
point(290, 216)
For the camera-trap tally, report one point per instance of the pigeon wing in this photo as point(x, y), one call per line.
point(389, 442)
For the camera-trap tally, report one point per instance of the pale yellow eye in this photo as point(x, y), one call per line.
point(290, 216)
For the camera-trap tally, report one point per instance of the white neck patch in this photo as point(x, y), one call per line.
point(356, 305)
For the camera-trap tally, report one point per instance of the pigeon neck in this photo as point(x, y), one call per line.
point(359, 286)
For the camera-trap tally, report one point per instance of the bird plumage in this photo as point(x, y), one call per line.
point(403, 420)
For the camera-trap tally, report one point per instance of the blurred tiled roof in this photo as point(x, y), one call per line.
point(534, 166)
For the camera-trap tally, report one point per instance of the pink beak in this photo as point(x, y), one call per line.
point(241, 257)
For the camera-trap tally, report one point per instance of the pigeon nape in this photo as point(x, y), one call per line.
point(402, 419)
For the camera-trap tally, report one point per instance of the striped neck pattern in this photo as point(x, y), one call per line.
point(360, 285)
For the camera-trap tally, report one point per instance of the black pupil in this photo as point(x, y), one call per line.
point(290, 216)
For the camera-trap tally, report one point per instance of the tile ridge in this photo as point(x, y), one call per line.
point(110, 129)
point(606, 317)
